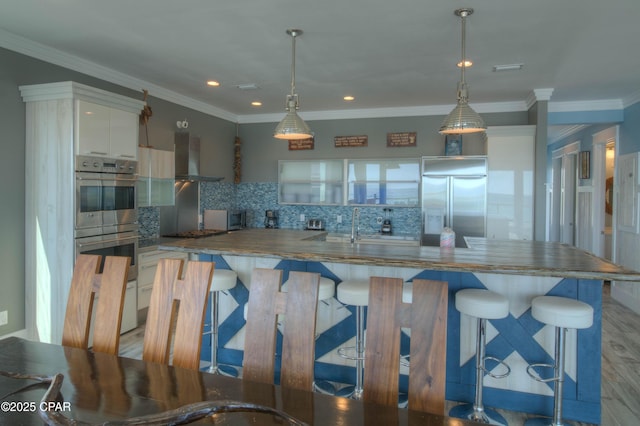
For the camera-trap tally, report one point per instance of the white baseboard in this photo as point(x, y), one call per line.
point(623, 296)
point(20, 333)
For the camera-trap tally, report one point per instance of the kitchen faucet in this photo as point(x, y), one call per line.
point(355, 230)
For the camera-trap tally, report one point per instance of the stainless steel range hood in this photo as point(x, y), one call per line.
point(187, 155)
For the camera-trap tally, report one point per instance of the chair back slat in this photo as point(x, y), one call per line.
point(426, 316)
point(260, 338)
point(187, 298)
point(298, 342)
point(298, 305)
point(113, 285)
point(87, 285)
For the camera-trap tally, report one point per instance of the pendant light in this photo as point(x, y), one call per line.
point(292, 127)
point(463, 119)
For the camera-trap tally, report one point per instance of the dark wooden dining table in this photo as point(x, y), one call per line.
point(99, 388)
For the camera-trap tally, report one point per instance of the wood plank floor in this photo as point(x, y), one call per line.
point(620, 364)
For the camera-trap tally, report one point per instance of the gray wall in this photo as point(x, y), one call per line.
point(261, 152)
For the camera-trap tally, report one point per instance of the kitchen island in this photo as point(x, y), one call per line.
point(521, 270)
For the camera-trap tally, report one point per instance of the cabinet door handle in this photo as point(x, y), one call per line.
point(98, 152)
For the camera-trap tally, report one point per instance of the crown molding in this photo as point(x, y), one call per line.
point(57, 57)
point(631, 99)
point(576, 106)
point(538, 95)
point(425, 110)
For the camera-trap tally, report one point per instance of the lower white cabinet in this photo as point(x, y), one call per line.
point(147, 265)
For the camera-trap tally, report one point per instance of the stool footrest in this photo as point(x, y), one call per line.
point(497, 376)
point(530, 367)
point(404, 360)
point(344, 353)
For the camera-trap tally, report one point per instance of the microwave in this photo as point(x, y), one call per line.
point(225, 220)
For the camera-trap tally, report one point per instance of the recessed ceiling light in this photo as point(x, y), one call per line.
point(467, 63)
point(256, 103)
point(508, 67)
point(213, 83)
point(349, 98)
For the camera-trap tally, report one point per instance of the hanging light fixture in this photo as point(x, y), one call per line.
point(463, 119)
point(292, 127)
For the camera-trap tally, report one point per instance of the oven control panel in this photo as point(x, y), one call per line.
point(105, 165)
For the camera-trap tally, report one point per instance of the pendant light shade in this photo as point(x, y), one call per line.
point(463, 119)
point(292, 127)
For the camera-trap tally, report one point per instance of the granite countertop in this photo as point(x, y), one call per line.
point(483, 255)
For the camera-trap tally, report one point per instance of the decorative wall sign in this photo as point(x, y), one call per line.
point(351, 141)
point(301, 144)
point(585, 164)
point(401, 139)
point(453, 145)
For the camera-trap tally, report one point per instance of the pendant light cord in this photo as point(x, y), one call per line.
point(293, 62)
point(464, 37)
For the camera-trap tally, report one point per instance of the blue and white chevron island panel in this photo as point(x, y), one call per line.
point(518, 339)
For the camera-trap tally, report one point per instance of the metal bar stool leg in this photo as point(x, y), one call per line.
point(477, 411)
point(214, 333)
point(216, 368)
point(558, 378)
point(357, 393)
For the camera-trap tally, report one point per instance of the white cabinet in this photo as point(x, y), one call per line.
point(510, 182)
point(156, 177)
point(388, 182)
point(310, 182)
point(147, 265)
point(106, 131)
point(392, 182)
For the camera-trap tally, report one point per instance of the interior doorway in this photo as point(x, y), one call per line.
point(604, 158)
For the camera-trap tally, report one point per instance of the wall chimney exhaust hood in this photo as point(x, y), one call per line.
point(187, 157)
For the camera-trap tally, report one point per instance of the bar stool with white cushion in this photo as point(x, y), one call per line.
point(355, 293)
point(562, 313)
point(223, 279)
point(483, 305)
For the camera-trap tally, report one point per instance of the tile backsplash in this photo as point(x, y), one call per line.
point(256, 197)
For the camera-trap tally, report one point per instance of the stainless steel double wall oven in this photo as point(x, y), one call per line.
point(106, 208)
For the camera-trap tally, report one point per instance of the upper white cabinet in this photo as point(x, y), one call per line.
point(156, 177)
point(510, 182)
point(389, 182)
point(393, 182)
point(106, 131)
point(310, 182)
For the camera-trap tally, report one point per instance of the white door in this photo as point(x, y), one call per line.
point(563, 194)
point(568, 199)
point(556, 199)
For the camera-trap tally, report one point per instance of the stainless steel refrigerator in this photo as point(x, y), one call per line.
point(454, 195)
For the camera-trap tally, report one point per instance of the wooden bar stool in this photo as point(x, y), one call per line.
point(223, 279)
point(562, 313)
point(355, 293)
point(483, 305)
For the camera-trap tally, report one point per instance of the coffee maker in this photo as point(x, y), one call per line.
point(271, 219)
point(386, 223)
